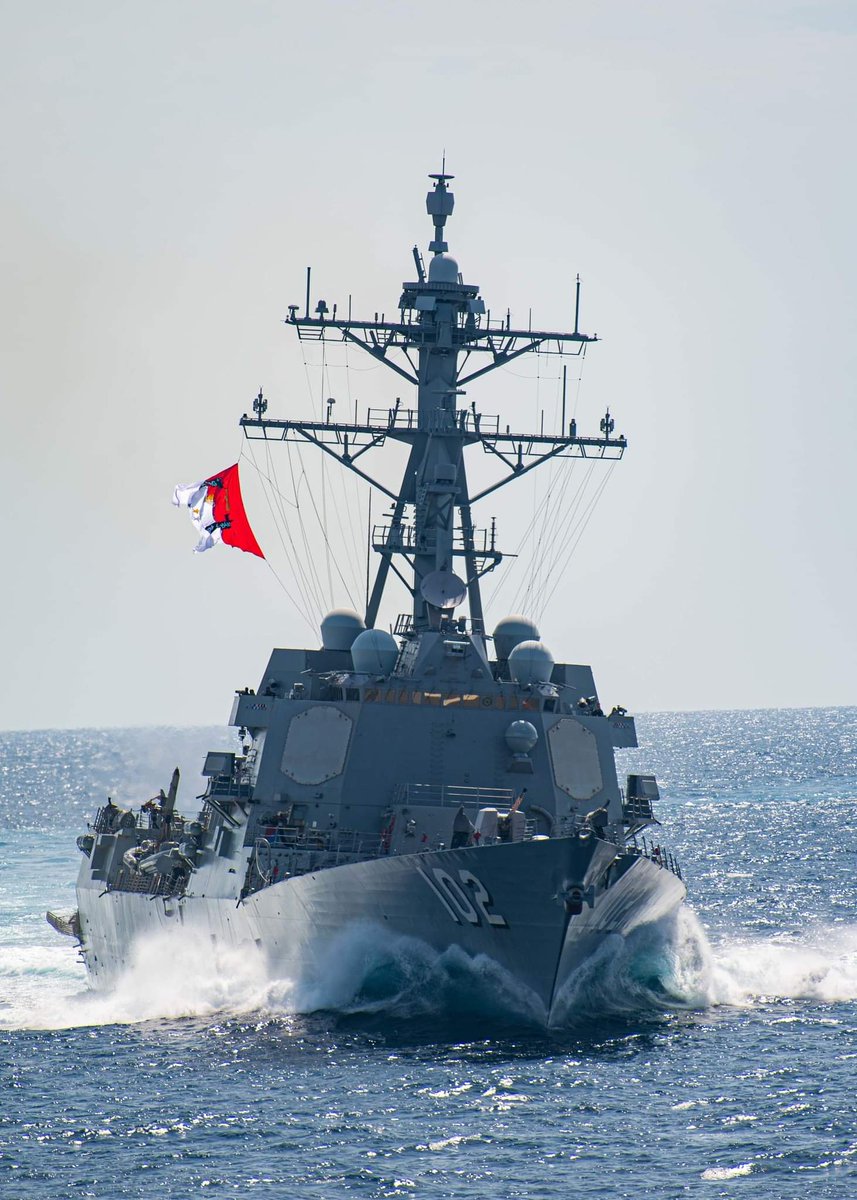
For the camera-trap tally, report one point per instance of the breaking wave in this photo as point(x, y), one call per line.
point(176, 975)
point(405, 978)
point(662, 967)
point(658, 967)
point(172, 975)
point(820, 965)
point(671, 965)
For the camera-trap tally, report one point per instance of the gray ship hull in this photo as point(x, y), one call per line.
point(428, 787)
point(504, 905)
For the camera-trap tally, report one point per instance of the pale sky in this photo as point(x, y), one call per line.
point(171, 169)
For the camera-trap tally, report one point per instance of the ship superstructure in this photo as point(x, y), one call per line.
point(427, 782)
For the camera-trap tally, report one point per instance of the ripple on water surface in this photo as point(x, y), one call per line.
point(718, 1065)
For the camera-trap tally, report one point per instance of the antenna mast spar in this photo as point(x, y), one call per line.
point(442, 325)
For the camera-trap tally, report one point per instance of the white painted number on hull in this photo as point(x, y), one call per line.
point(483, 899)
point(455, 898)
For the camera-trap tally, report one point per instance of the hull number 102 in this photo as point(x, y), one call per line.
point(466, 898)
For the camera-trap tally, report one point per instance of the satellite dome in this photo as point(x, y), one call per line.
point(339, 629)
point(531, 662)
point(521, 736)
point(374, 652)
point(512, 630)
point(443, 268)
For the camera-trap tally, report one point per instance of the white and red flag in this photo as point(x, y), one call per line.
point(217, 511)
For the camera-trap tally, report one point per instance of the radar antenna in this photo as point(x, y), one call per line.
point(442, 325)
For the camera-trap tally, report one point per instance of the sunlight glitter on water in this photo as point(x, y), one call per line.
point(734, 1063)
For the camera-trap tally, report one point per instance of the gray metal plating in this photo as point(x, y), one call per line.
point(419, 786)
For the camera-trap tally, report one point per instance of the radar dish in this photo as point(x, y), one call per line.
point(443, 589)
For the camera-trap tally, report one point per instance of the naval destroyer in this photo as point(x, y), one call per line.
point(438, 783)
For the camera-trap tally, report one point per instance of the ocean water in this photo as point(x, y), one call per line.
point(714, 1055)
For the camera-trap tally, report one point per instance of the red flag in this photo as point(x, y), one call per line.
point(217, 511)
point(229, 512)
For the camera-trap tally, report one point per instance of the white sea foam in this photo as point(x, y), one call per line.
point(176, 974)
point(820, 965)
point(667, 965)
point(716, 1174)
point(671, 964)
point(170, 976)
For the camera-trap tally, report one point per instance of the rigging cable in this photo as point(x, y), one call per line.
point(536, 473)
point(355, 586)
point(526, 593)
point(562, 534)
point(305, 581)
point(506, 570)
point(304, 561)
point(511, 561)
point(348, 482)
point(553, 516)
point(556, 522)
point(299, 603)
point(579, 534)
point(548, 511)
point(559, 526)
point(325, 538)
point(325, 391)
point(509, 572)
point(552, 520)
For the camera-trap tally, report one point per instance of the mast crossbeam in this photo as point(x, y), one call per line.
point(577, 447)
point(467, 337)
point(403, 535)
point(440, 322)
point(348, 435)
point(414, 335)
point(403, 424)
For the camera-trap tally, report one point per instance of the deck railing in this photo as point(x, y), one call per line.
point(453, 795)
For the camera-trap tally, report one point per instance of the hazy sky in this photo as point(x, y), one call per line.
point(172, 168)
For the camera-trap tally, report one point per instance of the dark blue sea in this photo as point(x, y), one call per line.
point(715, 1055)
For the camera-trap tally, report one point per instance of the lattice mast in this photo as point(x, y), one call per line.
point(442, 324)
